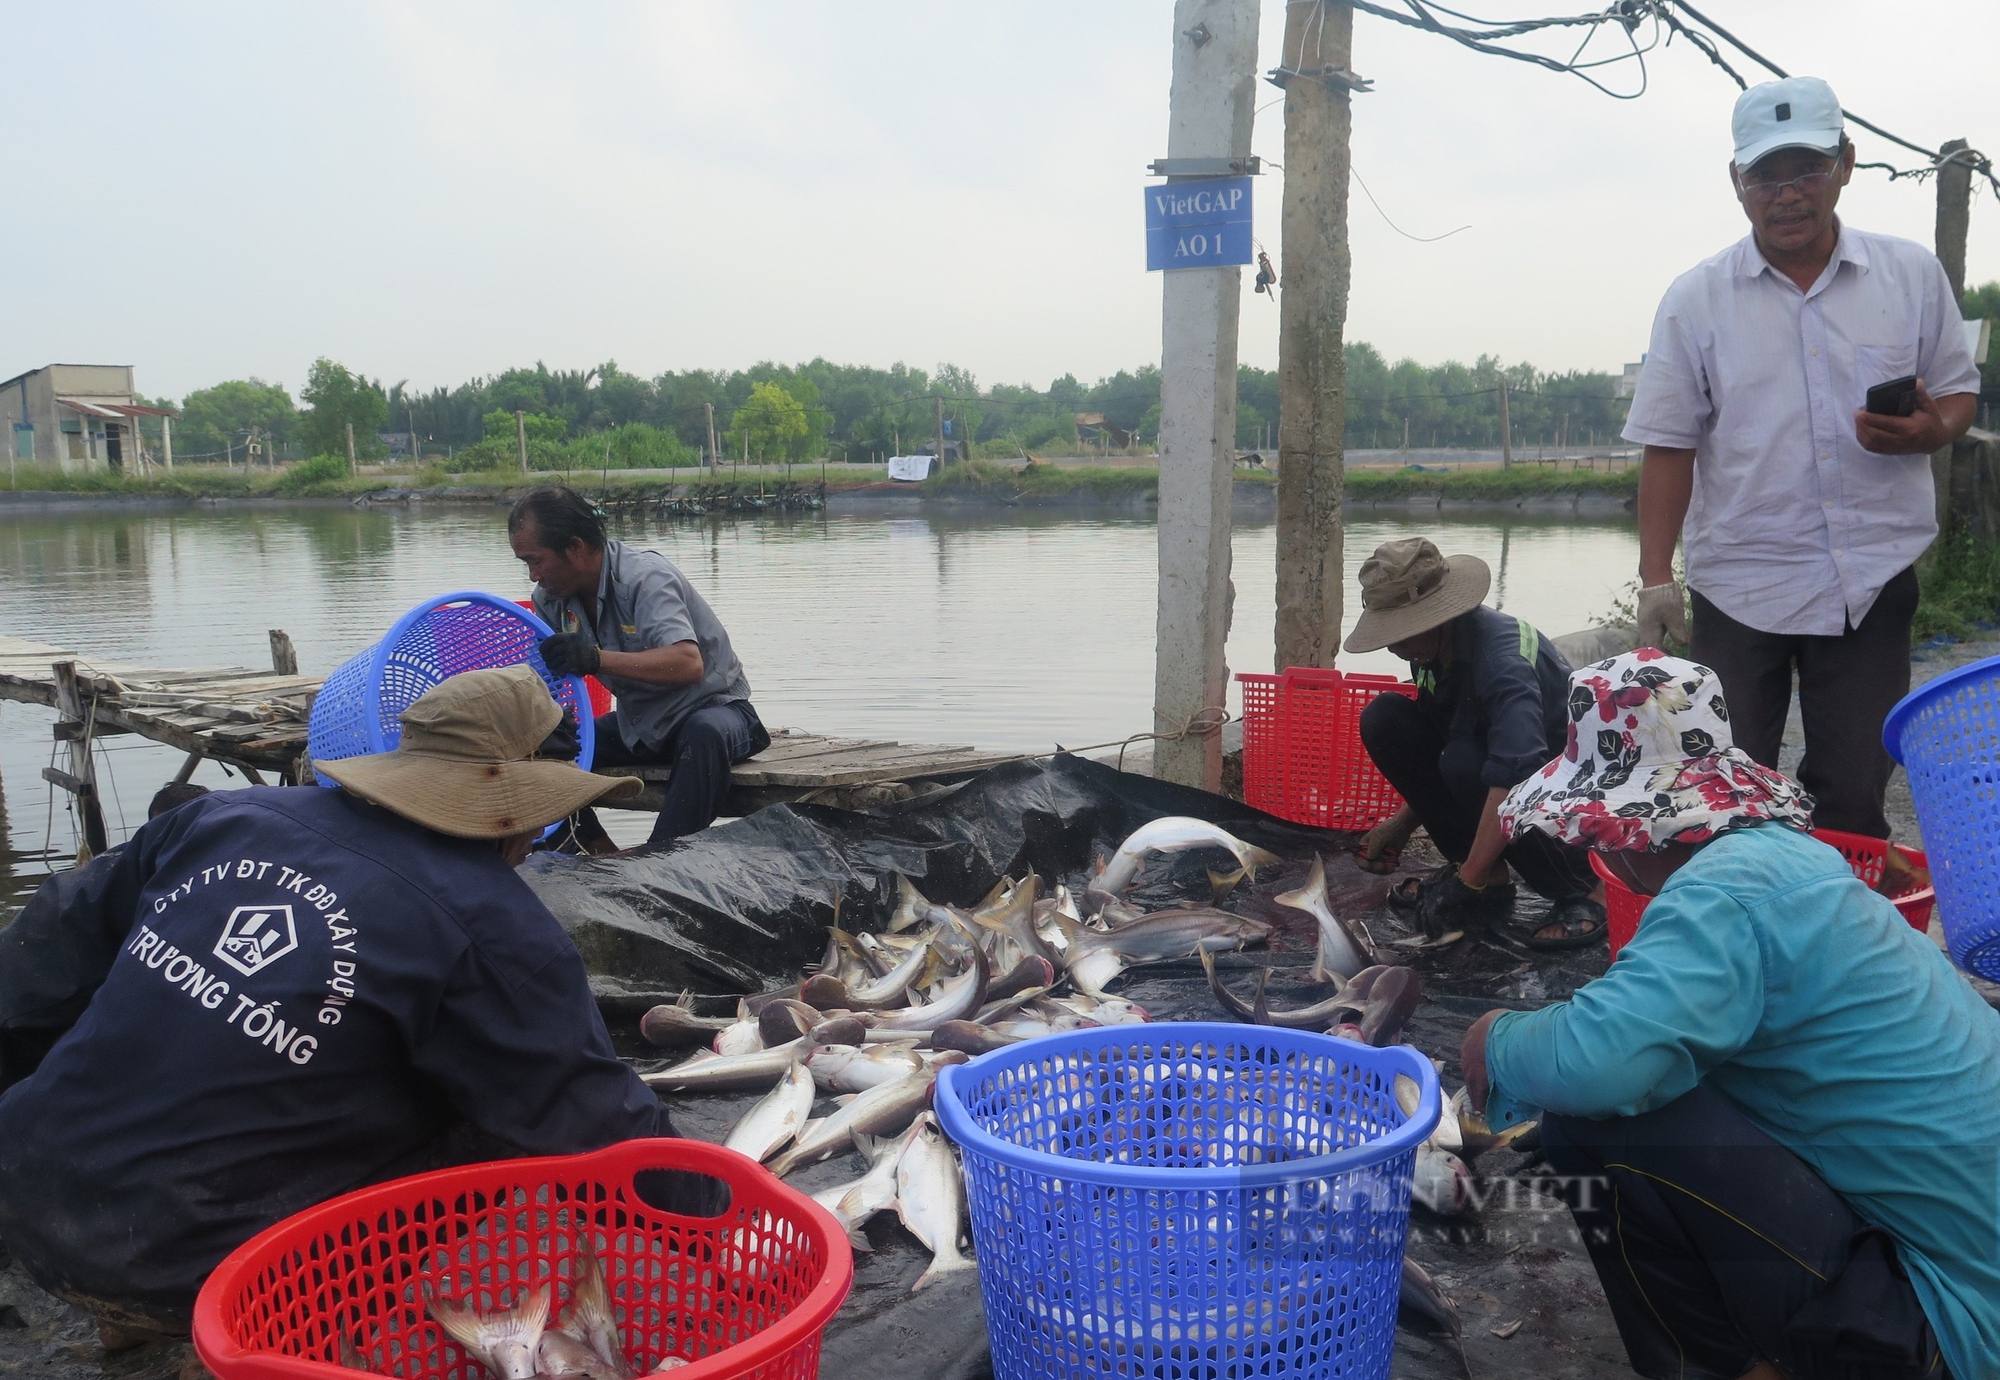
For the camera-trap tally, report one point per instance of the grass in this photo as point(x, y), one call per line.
point(1492, 483)
point(325, 477)
point(1960, 584)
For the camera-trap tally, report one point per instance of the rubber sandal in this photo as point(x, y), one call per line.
point(1570, 912)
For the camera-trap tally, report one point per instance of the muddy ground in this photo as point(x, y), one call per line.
point(1519, 1261)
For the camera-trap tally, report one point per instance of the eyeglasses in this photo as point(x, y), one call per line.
point(1809, 184)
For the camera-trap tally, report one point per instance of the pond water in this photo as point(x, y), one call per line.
point(1018, 630)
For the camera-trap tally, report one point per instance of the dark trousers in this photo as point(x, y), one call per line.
point(701, 749)
point(1440, 778)
point(1718, 1248)
point(1847, 686)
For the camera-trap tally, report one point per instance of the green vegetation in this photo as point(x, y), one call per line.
point(338, 399)
point(324, 476)
point(1493, 483)
point(1960, 580)
point(215, 421)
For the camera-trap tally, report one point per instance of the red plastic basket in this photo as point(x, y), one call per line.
point(1302, 753)
point(747, 1292)
point(1623, 906)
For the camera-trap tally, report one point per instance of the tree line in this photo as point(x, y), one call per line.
point(606, 416)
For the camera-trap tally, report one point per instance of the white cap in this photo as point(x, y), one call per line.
point(1796, 113)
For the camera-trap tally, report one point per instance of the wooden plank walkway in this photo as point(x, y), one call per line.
point(256, 720)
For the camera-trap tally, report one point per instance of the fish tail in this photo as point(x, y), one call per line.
point(460, 1323)
point(858, 1241)
point(940, 1266)
point(1255, 857)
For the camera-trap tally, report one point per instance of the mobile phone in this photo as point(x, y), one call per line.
point(1896, 398)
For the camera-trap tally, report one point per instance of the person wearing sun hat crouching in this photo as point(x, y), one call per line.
point(1487, 713)
point(1777, 1116)
point(288, 993)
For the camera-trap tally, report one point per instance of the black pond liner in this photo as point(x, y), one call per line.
point(744, 907)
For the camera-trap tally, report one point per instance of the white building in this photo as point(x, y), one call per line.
point(76, 417)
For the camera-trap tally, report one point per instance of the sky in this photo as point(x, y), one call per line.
point(435, 191)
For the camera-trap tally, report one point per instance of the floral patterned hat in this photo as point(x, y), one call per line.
point(1650, 762)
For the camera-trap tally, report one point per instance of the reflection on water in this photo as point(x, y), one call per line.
point(1017, 630)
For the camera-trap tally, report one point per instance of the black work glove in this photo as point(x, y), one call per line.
point(570, 654)
point(562, 744)
point(1448, 904)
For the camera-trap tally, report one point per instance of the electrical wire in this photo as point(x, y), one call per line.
point(1420, 239)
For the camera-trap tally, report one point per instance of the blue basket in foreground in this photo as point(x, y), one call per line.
point(1947, 736)
point(1188, 1200)
point(359, 709)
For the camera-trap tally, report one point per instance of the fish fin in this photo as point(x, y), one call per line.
point(859, 1242)
point(935, 1270)
point(685, 1001)
point(461, 1324)
point(1255, 857)
point(1260, 1007)
point(867, 1145)
point(1073, 934)
point(1220, 884)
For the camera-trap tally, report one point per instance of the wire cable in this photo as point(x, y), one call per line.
point(1420, 239)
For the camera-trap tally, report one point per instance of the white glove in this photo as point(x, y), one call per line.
point(1662, 614)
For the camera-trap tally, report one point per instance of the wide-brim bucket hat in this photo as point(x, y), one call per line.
point(466, 765)
point(1650, 762)
point(1409, 587)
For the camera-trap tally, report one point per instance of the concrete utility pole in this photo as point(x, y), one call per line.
point(714, 455)
point(1954, 219)
point(937, 406)
point(352, 466)
point(1506, 430)
point(1209, 115)
point(1312, 320)
point(167, 441)
point(1954, 212)
point(521, 437)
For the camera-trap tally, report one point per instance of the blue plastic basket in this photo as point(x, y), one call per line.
point(359, 709)
point(1188, 1200)
point(1947, 736)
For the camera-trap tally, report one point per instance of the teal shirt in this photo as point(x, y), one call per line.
point(1765, 969)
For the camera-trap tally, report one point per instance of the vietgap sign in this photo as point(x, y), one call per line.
point(1204, 224)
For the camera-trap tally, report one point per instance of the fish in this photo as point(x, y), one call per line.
point(847, 1028)
point(776, 1120)
point(1102, 1010)
point(892, 988)
point(912, 909)
point(675, 1025)
point(1475, 1136)
point(671, 1363)
point(1163, 934)
point(1421, 1295)
point(560, 1353)
point(1419, 942)
point(852, 1069)
point(345, 1353)
point(1442, 1183)
point(930, 1198)
point(1375, 1004)
point(706, 1072)
point(1032, 974)
point(857, 1200)
point(743, 1036)
point(883, 1110)
point(1014, 921)
point(962, 997)
point(970, 1037)
point(506, 1342)
point(1345, 946)
point(826, 992)
point(784, 1021)
point(590, 1319)
point(1170, 834)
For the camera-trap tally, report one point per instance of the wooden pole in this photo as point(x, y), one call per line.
point(284, 657)
point(937, 405)
point(1209, 117)
point(352, 466)
point(714, 455)
point(521, 436)
point(73, 703)
point(1954, 218)
point(1312, 376)
point(1506, 430)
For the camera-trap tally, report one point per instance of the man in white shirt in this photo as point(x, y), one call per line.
point(1802, 513)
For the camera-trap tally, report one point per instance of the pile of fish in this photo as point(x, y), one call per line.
point(517, 1343)
point(882, 1013)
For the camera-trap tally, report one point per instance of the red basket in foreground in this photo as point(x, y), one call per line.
point(601, 702)
point(746, 1292)
point(1302, 753)
point(1623, 906)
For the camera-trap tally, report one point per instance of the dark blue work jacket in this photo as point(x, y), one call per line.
point(296, 994)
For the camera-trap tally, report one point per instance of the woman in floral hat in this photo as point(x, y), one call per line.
point(1778, 1113)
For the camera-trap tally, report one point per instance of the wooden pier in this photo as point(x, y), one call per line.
point(255, 721)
